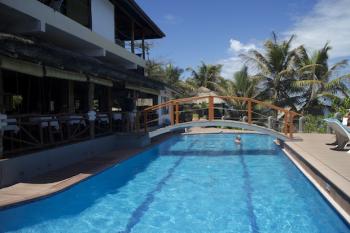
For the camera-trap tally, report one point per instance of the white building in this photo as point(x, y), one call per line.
point(60, 59)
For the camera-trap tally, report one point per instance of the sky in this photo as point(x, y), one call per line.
point(216, 32)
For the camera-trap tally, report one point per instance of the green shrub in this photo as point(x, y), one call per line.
point(315, 124)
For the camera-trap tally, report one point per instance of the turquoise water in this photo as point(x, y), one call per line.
point(194, 183)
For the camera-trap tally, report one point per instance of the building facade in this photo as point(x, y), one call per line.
point(73, 70)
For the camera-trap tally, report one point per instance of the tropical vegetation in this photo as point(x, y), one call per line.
point(286, 76)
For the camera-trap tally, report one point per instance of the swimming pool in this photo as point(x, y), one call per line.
point(191, 183)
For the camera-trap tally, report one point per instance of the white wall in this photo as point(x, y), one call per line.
point(162, 118)
point(102, 15)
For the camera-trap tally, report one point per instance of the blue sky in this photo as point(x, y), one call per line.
point(218, 31)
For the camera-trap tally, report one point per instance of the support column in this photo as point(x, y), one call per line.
point(133, 37)
point(91, 95)
point(145, 119)
point(143, 46)
point(110, 99)
point(71, 107)
point(2, 110)
point(109, 106)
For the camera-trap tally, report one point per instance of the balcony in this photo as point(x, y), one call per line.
point(38, 19)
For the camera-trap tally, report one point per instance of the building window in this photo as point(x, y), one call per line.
point(78, 10)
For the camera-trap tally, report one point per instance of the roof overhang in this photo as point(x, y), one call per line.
point(151, 30)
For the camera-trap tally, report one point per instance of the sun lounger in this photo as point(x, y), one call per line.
point(342, 133)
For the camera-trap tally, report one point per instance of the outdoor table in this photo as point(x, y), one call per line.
point(117, 116)
point(73, 121)
point(103, 118)
point(11, 125)
point(45, 122)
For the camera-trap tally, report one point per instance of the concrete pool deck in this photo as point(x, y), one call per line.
point(333, 166)
point(327, 169)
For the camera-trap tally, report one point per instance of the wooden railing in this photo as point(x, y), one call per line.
point(28, 132)
point(247, 109)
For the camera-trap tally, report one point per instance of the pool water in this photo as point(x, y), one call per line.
point(192, 183)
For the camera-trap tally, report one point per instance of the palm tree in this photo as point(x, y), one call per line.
point(242, 85)
point(154, 70)
point(320, 82)
point(205, 76)
point(276, 70)
point(172, 74)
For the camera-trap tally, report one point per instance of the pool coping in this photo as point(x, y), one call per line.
point(333, 194)
point(341, 211)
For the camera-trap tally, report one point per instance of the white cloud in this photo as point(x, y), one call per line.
point(237, 47)
point(171, 19)
point(234, 63)
point(230, 66)
point(329, 20)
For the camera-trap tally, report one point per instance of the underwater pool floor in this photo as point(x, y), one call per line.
point(193, 183)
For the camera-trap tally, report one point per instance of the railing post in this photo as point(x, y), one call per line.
point(301, 124)
point(269, 122)
point(177, 116)
point(211, 108)
point(145, 120)
point(285, 129)
point(249, 112)
point(338, 116)
point(171, 112)
point(291, 125)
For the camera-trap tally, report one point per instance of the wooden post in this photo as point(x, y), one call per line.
point(249, 112)
point(285, 130)
point(133, 37)
point(211, 108)
point(71, 107)
point(143, 45)
point(171, 112)
point(291, 125)
point(145, 120)
point(91, 95)
point(177, 113)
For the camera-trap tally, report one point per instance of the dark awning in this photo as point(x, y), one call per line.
point(64, 63)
